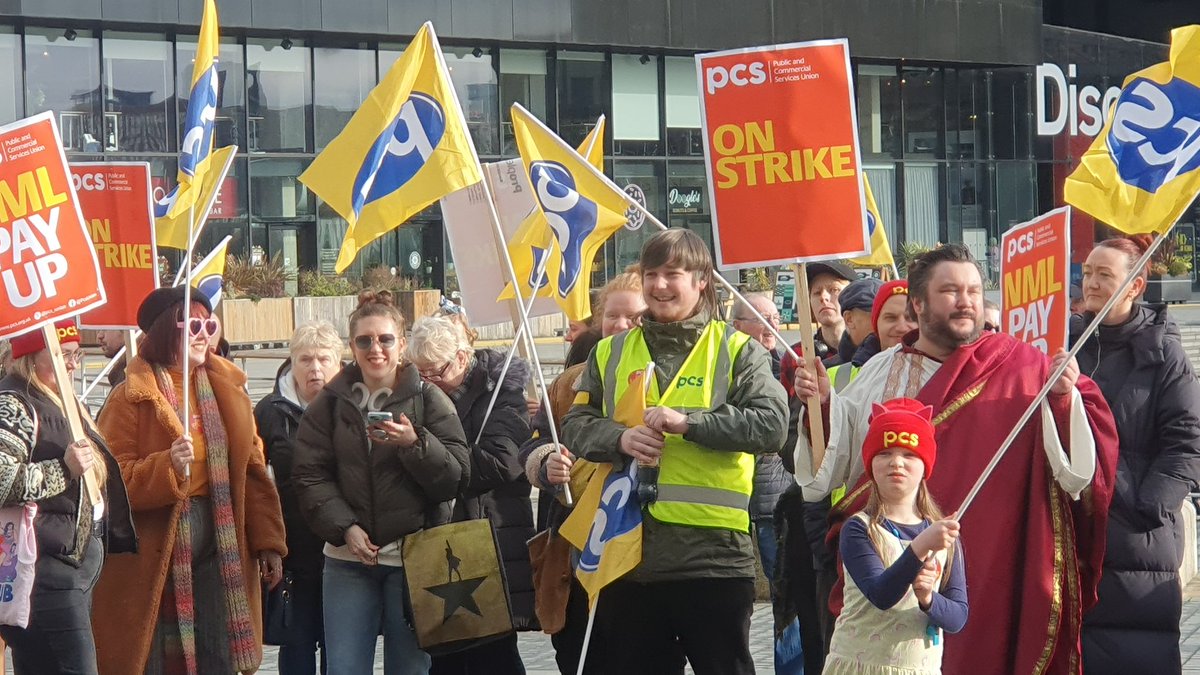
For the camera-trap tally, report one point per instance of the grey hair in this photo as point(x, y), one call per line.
point(435, 340)
point(317, 335)
point(741, 309)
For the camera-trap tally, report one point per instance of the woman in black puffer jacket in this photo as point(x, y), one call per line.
point(1139, 363)
point(498, 489)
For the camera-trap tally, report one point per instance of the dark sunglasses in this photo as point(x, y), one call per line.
point(364, 342)
point(197, 326)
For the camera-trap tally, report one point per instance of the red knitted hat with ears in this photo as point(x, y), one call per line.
point(899, 287)
point(34, 342)
point(901, 423)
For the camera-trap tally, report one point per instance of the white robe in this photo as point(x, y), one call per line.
point(895, 373)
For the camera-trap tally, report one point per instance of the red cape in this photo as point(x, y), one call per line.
point(1033, 555)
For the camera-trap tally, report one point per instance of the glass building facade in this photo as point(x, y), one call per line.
point(952, 152)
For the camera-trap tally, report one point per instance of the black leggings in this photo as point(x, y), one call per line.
point(59, 638)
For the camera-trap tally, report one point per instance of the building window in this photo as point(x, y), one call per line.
point(1011, 106)
point(278, 96)
point(966, 115)
point(139, 90)
point(684, 137)
point(230, 125)
point(64, 76)
point(1016, 193)
point(524, 80)
point(879, 111)
point(882, 178)
point(924, 112)
point(344, 77)
point(687, 199)
point(922, 203)
point(636, 126)
point(583, 91)
point(650, 177)
point(275, 192)
point(474, 79)
point(12, 99)
point(388, 55)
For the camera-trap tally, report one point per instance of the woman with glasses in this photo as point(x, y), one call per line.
point(41, 463)
point(208, 517)
point(497, 489)
point(378, 456)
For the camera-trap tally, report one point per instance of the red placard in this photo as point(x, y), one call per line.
point(781, 147)
point(48, 268)
point(115, 200)
point(1035, 272)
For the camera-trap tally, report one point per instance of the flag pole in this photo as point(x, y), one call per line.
point(587, 634)
point(1057, 373)
point(540, 277)
point(184, 357)
point(498, 232)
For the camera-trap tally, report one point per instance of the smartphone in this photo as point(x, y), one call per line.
point(376, 416)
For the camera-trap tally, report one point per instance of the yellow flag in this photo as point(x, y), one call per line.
point(881, 252)
point(208, 276)
point(172, 231)
point(576, 205)
point(1141, 173)
point(606, 525)
point(195, 151)
point(405, 148)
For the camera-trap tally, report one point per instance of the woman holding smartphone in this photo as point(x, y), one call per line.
point(378, 456)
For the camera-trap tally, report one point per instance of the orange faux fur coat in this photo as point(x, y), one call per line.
point(139, 425)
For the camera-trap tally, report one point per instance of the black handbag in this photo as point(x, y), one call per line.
point(277, 612)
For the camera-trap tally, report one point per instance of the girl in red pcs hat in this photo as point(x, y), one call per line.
point(905, 580)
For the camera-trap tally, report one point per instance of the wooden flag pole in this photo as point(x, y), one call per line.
point(70, 404)
point(816, 424)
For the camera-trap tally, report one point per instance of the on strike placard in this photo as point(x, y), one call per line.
point(1035, 267)
point(781, 147)
point(115, 198)
point(48, 268)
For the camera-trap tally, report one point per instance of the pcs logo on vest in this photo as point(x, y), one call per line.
point(400, 151)
point(1155, 135)
point(571, 216)
point(689, 381)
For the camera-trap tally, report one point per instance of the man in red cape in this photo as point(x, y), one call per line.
point(1034, 538)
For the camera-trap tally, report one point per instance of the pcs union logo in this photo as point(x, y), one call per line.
point(400, 151)
point(618, 514)
point(201, 114)
point(1155, 135)
point(571, 216)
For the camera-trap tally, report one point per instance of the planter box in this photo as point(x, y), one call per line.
point(417, 304)
point(1168, 289)
point(250, 322)
point(335, 309)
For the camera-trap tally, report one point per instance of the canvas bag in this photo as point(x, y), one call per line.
point(18, 557)
point(456, 585)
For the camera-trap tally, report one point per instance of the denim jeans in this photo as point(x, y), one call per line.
point(360, 602)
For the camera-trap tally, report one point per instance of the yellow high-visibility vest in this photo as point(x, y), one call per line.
point(697, 486)
point(839, 377)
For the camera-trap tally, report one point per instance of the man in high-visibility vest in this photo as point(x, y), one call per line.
point(711, 405)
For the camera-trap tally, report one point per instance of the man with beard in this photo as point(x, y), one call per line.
point(1033, 553)
point(111, 342)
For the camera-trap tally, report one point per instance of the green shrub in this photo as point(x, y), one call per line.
point(316, 284)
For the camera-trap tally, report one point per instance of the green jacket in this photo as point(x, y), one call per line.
point(754, 419)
